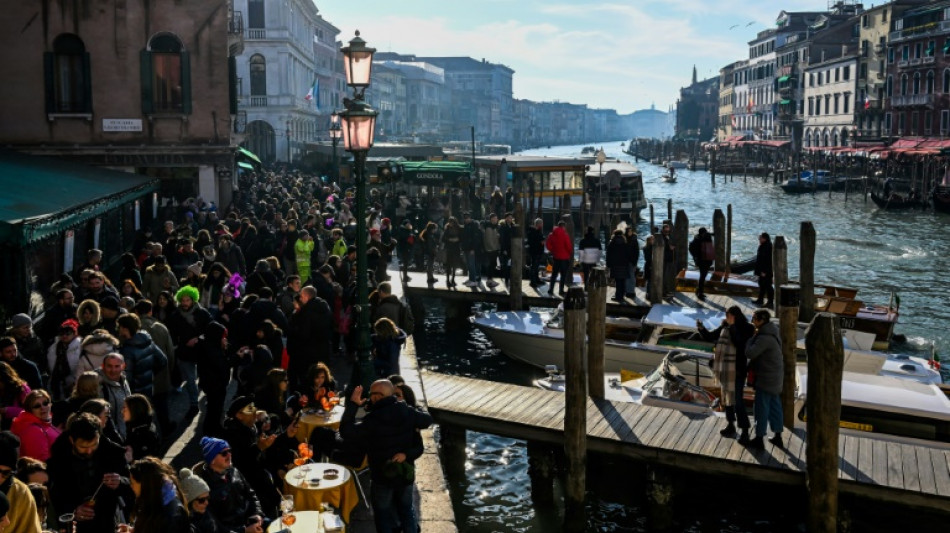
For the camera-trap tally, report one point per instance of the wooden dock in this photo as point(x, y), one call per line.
point(913, 475)
point(636, 307)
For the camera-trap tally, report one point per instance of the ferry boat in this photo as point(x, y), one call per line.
point(588, 151)
point(623, 184)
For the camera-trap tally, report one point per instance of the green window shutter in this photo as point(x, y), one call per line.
point(86, 83)
point(232, 85)
point(185, 83)
point(145, 64)
point(49, 80)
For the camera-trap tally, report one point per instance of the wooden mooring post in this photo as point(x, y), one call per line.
point(596, 331)
point(719, 240)
point(542, 469)
point(655, 294)
point(452, 448)
point(806, 273)
point(825, 365)
point(516, 267)
point(788, 298)
point(575, 410)
point(779, 268)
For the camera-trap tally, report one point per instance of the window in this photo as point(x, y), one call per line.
point(930, 82)
point(917, 83)
point(887, 122)
point(890, 83)
point(917, 50)
point(837, 74)
point(68, 84)
point(818, 106)
point(166, 76)
point(904, 84)
point(847, 103)
point(847, 71)
point(890, 55)
point(905, 52)
point(811, 106)
point(258, 69)
point(811, 79)
point(900, 123)
point(837, 98)
point(255, 14)
point(913, 123)
point(944, 121)
point(946, 81)
point(884, 15)
point(928, 122)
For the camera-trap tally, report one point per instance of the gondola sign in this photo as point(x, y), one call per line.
point(429, 177)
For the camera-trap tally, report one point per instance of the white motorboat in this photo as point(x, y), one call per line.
point(537, 338)
point(676, 164)
point(668, 178)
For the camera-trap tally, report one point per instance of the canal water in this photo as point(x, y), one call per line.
point(859, 246)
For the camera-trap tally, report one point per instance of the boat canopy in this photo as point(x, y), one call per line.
point(675, 316)
point(449, 173)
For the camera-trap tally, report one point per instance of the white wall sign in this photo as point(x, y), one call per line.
point(121, 124)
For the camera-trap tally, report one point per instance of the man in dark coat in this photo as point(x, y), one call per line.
point(535, 238)
point(248, 446)
point(703, 252)
point(618, 262)
point(27, 370)
point(763, 269)
point(143, 358)
point(30, 346)
point(309, 334)
point(64, 309)
point(233, 501)
point(82, 462)
point(471, 244)
point(186, 325)
point(389, 434)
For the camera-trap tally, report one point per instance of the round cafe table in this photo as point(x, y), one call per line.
point(307, 522)
point(318, 419)
point(339, 492)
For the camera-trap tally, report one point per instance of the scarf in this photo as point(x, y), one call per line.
point(724, 366)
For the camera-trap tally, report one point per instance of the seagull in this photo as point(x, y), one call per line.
point(733, 26)
point(749, 24)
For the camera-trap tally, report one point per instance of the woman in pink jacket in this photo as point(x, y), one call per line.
point(35, 426)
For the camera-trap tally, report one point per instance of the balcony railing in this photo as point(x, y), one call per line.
point(257, 101)
point(256, 33)
point(919, 31)
point(272, 100)
point(927, 60)
point(236, 24)
point(913, 100)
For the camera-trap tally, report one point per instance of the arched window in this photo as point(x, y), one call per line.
point(258, 68)
point(930, 83)
point(68, 87)
point(844, 137)
point(166, 76)
point(890, 83)
point(946, 81)
point(904, 84)
point(917, 83)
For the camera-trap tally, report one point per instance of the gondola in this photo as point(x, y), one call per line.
point(896, 201)
point(941, 198)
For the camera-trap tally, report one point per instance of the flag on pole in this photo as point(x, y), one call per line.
point(867, 102)
point(314, 92)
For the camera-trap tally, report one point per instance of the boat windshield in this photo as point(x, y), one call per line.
point(684, 318)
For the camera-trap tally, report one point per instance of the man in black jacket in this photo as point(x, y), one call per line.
point(389, 434)
point(232, 500)
point(143, 358)
point(186, 325)
point(535, 238)
point(27, 370)
point(88, 475)
point(309, 334)
point(763, 269)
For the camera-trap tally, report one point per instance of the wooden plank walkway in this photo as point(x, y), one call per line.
point(914, 475)
point(636, 307)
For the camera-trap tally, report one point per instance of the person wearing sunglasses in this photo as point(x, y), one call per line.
point(198, 495)
point(232, 500)
point(35, 426)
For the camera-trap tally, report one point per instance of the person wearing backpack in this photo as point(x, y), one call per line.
point(704, 253)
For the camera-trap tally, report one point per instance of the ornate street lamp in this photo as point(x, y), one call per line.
point(358, 123)
point(336, 132)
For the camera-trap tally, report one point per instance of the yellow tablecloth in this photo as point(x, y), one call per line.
point(318, 420)
point(306, 523)
point(340, 492)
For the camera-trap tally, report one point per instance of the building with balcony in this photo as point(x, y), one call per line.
point(290, 77)
point(917, 84)
point(134, 89)
point(726, 101)
point(830, 91)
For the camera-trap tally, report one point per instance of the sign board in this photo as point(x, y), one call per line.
point(121, 124)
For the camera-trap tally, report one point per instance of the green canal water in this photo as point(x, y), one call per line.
point(877, 252)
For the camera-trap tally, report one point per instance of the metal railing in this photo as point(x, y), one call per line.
point(910, 100)
point(236, 24)
point(257, 101)
point(256, 33)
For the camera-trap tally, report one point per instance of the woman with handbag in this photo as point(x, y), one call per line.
point(729, 365)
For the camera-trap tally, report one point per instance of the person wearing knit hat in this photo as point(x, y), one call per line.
point(242, 505)
point(21, 320)
point(187, 325)
point(195, 268)
point(197, 499)
point(211, 447)
point(63, 357)
point(191, 485)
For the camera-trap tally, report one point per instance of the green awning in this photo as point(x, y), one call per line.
point(435, 172)
point(248, 154)
point(44, 196)
point(783, 79)
point(785, 102)
point(246, 166)
point(946, 47)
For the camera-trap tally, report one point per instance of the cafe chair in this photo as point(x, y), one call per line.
point(357, 472)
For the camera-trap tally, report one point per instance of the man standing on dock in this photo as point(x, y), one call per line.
point(472, 248)
point(559, 244)
point(763, 269)
point(535, 237)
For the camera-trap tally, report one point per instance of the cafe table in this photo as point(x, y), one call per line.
point(307, 522)
point(318, 486)
point(312, 419)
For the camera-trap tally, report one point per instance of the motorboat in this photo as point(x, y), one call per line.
point(676, 164)
point(668, 178)
point(537, 338)
point(681, 381)
point(619, 186)
point(808, 181)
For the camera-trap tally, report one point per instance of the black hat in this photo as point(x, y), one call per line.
point(109, 302)
point(241, 403)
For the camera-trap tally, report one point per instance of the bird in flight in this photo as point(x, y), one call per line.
point(749, 24)
point(734, 26)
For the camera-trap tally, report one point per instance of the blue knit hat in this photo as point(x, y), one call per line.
point(211, 447)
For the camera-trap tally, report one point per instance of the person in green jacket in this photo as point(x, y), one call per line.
point(339, 243)
point(302, 249)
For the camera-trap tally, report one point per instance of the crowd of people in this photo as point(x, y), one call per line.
point(261, 300)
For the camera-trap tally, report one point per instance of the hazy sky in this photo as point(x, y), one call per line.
point(624, 55)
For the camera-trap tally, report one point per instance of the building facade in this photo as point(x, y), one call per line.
point(726, 101)
point(290, 77)
point(145, 89)
point(697, 110)
point(830, 91)
point(917, 87)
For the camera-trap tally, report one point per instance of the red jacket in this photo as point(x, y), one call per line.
point(36, 436)
point(559, 244)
